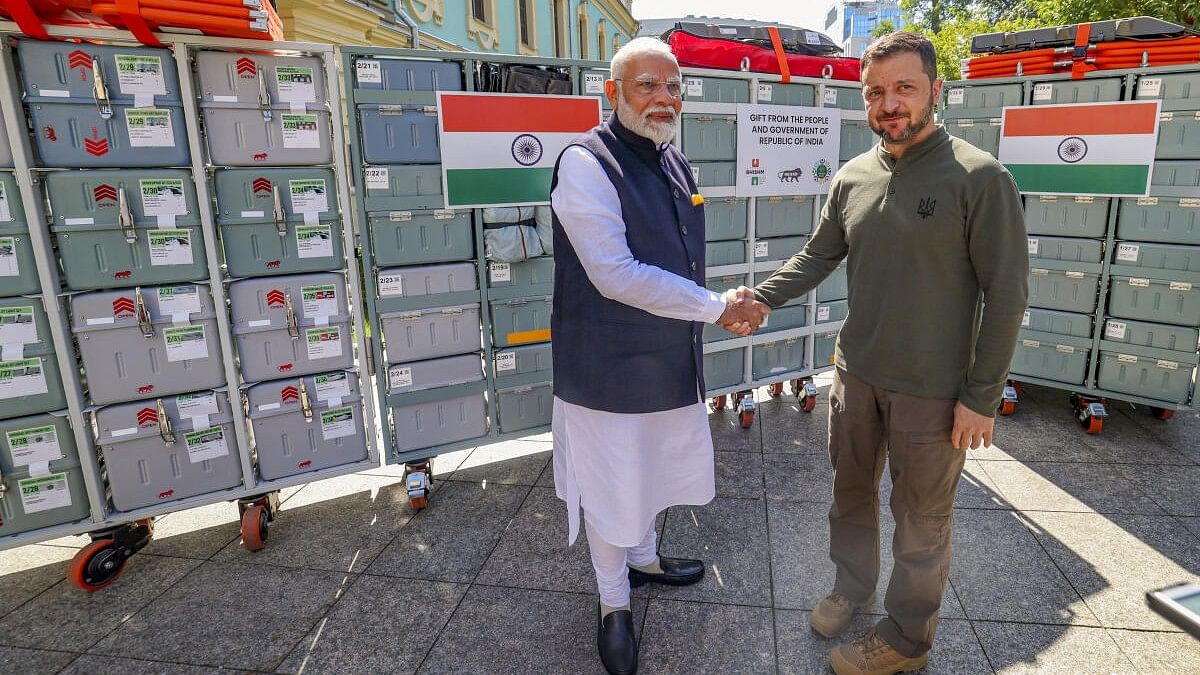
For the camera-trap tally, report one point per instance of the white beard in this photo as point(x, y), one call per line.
point(658, 132)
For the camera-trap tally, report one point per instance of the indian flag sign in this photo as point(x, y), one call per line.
point(500, 149)
point(1103, 149)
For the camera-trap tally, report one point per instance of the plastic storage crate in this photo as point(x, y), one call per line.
point(981, 133)
point(30, 384)
point(980, 100)
point(1057, 323)
point(1168, 220)
point(1069, 291)
point(715, 89)
point(433, 373)
point(278, 221)
point(709, 138)
point(426, 280)
point(856, 138)
point(1088, 90)
point(142, 342)
point(291, 325)
point(1058, 358)
point(719, 253)
point(525, 406)
point(456, 417)
point(118, 228)
point(132, 117)
point(836, 310)
point(785, 318)
point(260, 109)
point(778, 249)
point(40, 472)
point(1166, 377)
point(1156, 335)
point(421, 237)
point(783, 216)
point(166, 449)
point(403, 188)
point(724, 369)
point(510, 280)
point(714, 174)
point(1165, 257)
point(408, 75)
point(725, 218)
point(1066, 216)
point(23, 327)
point(1153, 300)
point(18, 270)
point(306, 424)
point(429, 333)
point(786, 94)
point(1067, 249)
point(835, 287)
point(520, 321)
point(399, 134)
point(772, 359)
point(824, 347)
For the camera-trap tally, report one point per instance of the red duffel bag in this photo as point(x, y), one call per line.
point(710, 52)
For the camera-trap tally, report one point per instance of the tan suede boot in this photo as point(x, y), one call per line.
point(832, 615)
point(870, 655)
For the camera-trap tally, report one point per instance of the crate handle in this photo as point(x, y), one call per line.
point(164, 425)
point(280, 217)
point(143, 315)
point(305, 405)
point(99, 91)
point(125, 218)
point(264, 98)
point(292, 327)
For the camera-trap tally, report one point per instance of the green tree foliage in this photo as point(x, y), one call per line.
point(883, 28)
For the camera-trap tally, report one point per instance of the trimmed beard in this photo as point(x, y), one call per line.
point(658, 133)
point(911, 130)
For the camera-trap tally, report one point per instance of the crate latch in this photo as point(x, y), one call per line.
point(164, 425)
point(143, 314)
point(279, 215)
point(305, 405)
point(125, 218)
point(292, 327)
point(100, 92)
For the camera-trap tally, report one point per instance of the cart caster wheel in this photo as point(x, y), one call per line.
point(96, 565)
point(255, 523)
point(746, 418)
point(808, 403)
point(1093, 425)
point(1162, 413)
point(775, 389)
point(1007, 408)
point(718, 403)
point(419, 503)
point(795, 386)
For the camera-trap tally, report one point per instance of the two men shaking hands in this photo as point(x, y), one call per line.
point(743, 312)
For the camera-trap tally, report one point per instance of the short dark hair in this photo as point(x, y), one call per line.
point(902, 43)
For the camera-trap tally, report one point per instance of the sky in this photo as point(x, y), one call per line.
point(803, 13)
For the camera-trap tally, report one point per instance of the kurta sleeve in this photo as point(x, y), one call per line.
point(589, 210)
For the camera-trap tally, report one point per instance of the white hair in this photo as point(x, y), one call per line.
point(639, 47)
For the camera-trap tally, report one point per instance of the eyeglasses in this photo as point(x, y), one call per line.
point(651, 87)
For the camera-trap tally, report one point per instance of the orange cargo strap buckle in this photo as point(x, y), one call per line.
point(1079, 55)
point(784, 72)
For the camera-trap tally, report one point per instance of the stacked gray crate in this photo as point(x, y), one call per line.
point(710, 139)
point(424, 280)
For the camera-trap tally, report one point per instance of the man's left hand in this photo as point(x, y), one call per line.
point(971, 430)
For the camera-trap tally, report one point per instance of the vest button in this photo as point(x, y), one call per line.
point(676, 193)
point(684, 230)
point(693, 265)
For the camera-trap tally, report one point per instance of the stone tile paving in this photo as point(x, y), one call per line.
point(1058, 536)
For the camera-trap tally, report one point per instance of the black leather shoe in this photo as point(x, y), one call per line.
point(675, 572)
point(614, 640)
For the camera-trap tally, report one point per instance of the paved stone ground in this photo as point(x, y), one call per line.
point(1057, 537)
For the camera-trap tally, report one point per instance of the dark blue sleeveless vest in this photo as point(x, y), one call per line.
point(608, 355)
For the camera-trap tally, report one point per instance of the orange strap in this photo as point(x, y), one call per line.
point(131, 15)
point(27, 19)
point(784, 72)
point(1082, 32)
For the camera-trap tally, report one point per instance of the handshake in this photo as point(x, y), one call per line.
point(743, 313)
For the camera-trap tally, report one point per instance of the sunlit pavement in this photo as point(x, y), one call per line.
point(1058, 535)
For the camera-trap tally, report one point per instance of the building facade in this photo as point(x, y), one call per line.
point(577, 29)
point(851, 22)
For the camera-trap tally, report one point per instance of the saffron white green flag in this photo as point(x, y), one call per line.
point(500, 149)
point(1103, 149)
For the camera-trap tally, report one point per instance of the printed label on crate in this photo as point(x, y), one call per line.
point(1126, 358)
point(398, 378)
point(185, 343)
point(23, 377)
point(1149, 87)
point(207, 444)
point(1180, 286)
point(956, 96)
point(16, 326)
point(390, 285)
point(506, 361)
point(149, 128)
point(191, 405)
point(314, 241)
point(332, 385)
point(300, 131)
point(162, 196)
point(399, 216)
point(1128, 252)
point(443, 214)
point(593, 83)
point(1033, 245)
point(308, 196)
point(323, 343)
point(1043, 91)
point(295, 84)
point(29, 446)
point(376, 177)
point(694, 86)
point(830, 96)
point(170, 247)
point(1032, 344)
point(1147, 201)
point(761, 249)
point(8, 257)
point(765, 91)
point(337, 423)
point(823, 313)
point(1139, 283)
point(5, 211)
point(44, 493)
point(1168, 365)
point(368, 72)
point(1084, 199)
point(139, 74)
point(1115, 329)
point(499, 272)
point(1065, 349)
point(182, 299)
point(319, 300)
point(1025, 318)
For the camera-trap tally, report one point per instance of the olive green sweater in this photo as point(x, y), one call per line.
point(937, 266)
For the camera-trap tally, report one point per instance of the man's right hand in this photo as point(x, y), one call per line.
point(743, 312)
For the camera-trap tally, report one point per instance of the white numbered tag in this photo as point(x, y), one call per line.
point(506, 361)
point(368, 72)
point(314, 241)
point(332, 385)
point(319, 300)
point(183, 299)
point(695, 86)
point(1115, 329)
point(149, 128)
point(956, 96)
point(138, 74)
point(323, 343)
point(764, 92)
point(185, 343)
point(1128, 252)
point(37, 444)
point(1043, 91)
point(1025, 319)
point(295, 84)
point(337, 423)
point(207, 444)
point(170, 247)
point(823, 313)
point(593, 83)
point(193, 405)
point(1033, 246)
point(399, 378)
point(308, 196)
point(8, 257)
point(23, 377)
point(761, 249)
point(392, 285)
point(5, 211)
point(300, 131)
point(498, 272)
point(44, 493)
point(162, 197)
point(830, 96)
point(17, 326)
point(1149, 87)
point(377, 178)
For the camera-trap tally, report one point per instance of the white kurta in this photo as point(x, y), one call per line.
point(623, 469)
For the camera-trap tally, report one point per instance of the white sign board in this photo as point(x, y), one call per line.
point(786, 150)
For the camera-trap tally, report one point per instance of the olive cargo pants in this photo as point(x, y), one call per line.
point(869, 426)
